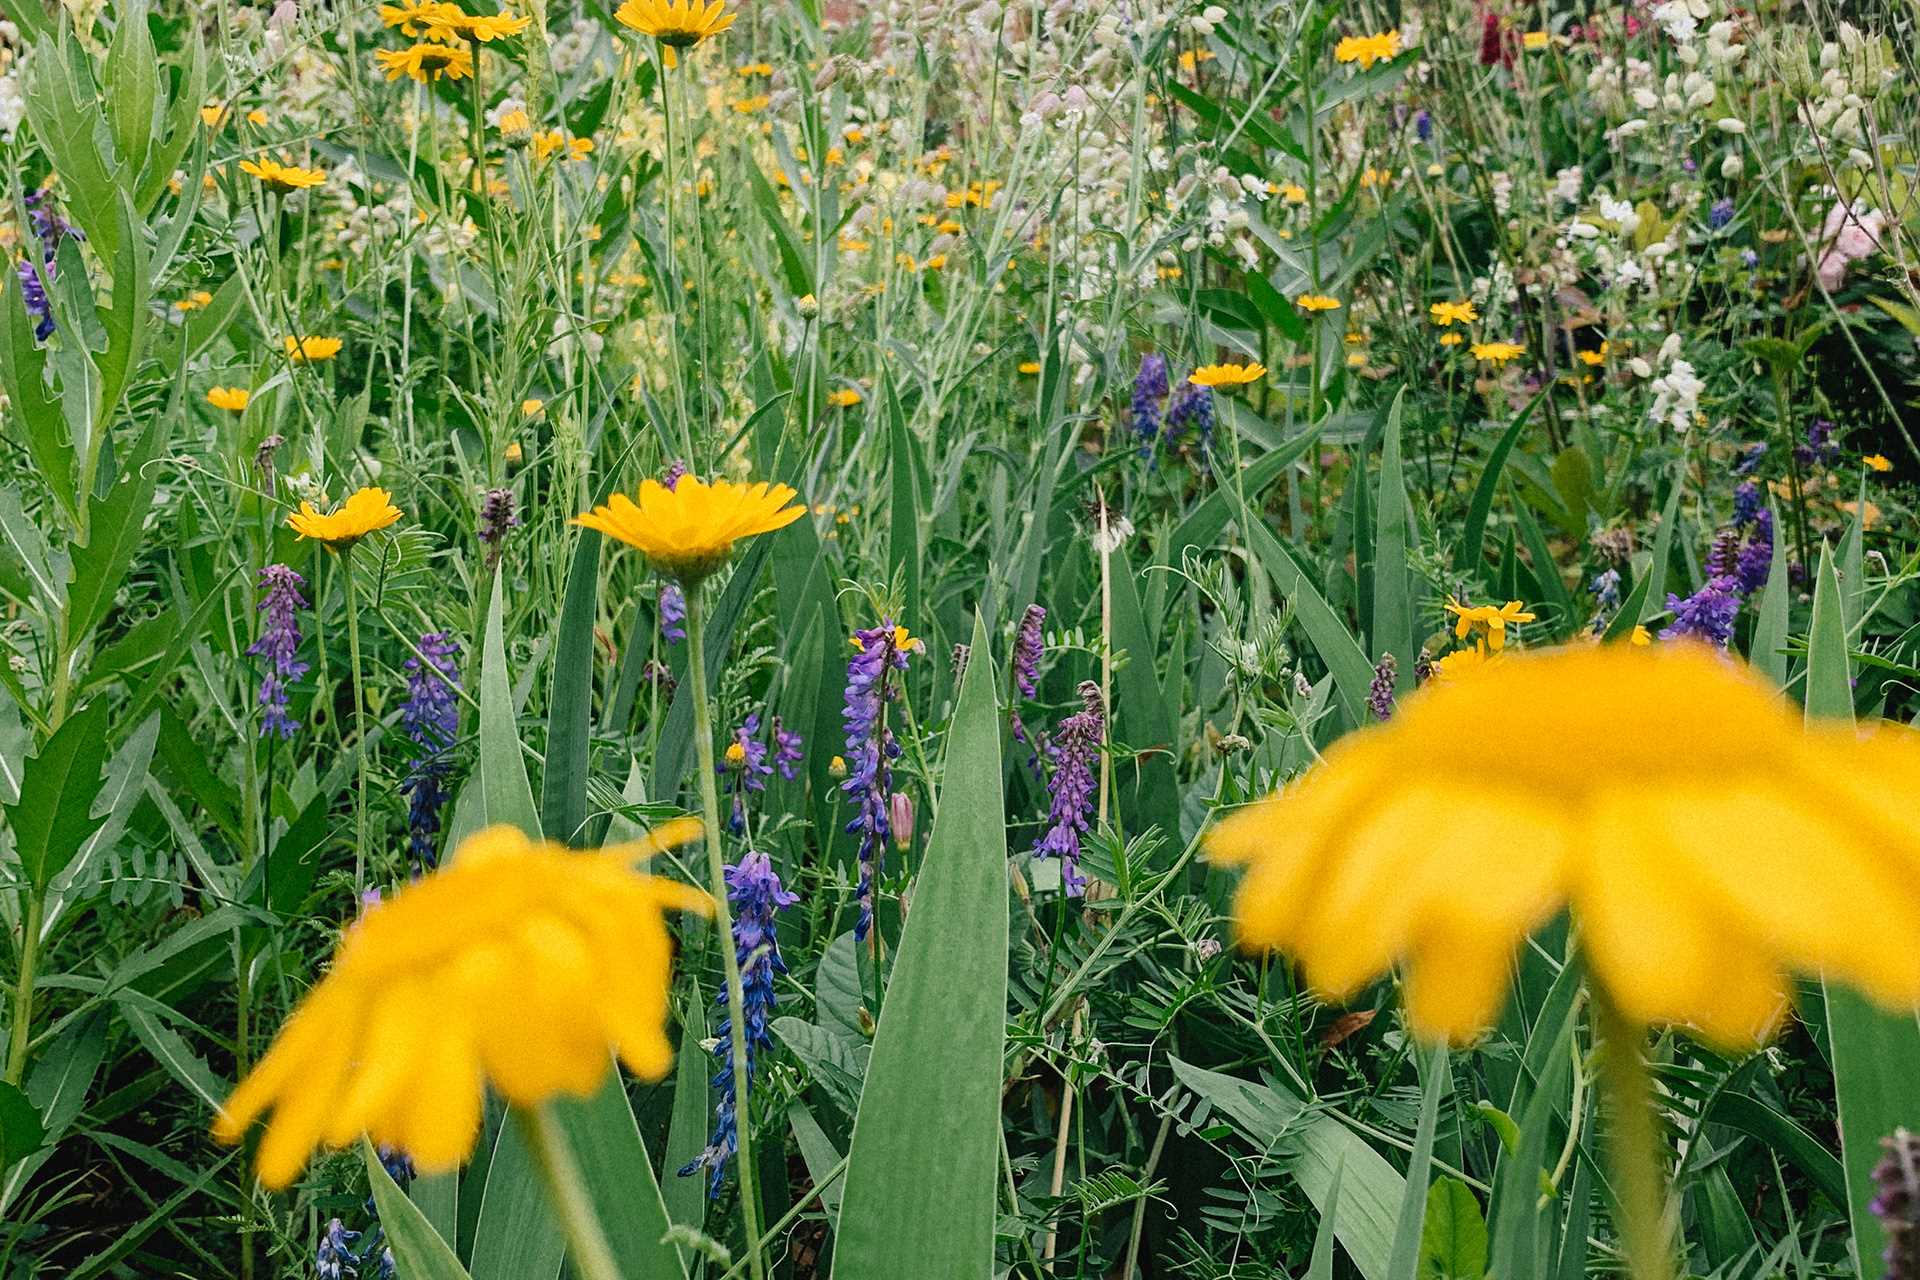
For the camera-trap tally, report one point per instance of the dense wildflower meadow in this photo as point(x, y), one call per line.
point(946, 639)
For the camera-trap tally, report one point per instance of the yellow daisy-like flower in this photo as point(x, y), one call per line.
point(1293, 193)
point(520, 965)
point(490, 27)
point(1535, 40)
point(1226, 375)
point(1367, 50)
point(1497, 352)
point(843, 397)
point(1029, 367)
point(1486, 622)
point(312, 349)
point(283, 177)
point(676, 24)
point(1461, 662)
point(426, 61)
point(1316, 302)
point(421, 17)
point(903, 640)
point(193, 301)
point(1446, 313)
point(352, 520)
point(1451, 339)
point(1878, 462)
point(688, 531)
point(1707, 843)
point(1593, 359)
point(232, 399)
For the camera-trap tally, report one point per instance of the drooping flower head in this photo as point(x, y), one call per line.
point(1029, 646)
point(361, 514)
point(756, 895)
point(279, 644)
point(519, 965)
point(871, 748)
point(1707, 842)
point(1074, 751)
point(335, 1259)
point(688, 531)
point(431, 717)
point(675, 24)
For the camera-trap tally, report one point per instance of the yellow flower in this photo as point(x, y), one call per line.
point(1226, 375)
point(1451, 339)
point(1487, 622)
point(903, 640)
point(283, 177)
point(512, 453)
point(256, 117)
point(193, 301)
point(515, 125)
point(490, 27)
point(312, 349)
point(1367, 50)
point(1446, 313)
point(362, 513)
point(520, 965)
point(676, 24)
point(688, 531)
point(1878, 462)
point(1534, 40)
point(1705, 840)
point(214, 114)
point(532, 406)
point(421, 17)
point(1293, 193)
point(232, 399)
point(736, 755)
point(843, 397)
point(1593, 359)
point(1639, 636)
point(1029, 367)
point(1497, 352)
point(1461, 662)
point(1316, 302)
point(426, 61)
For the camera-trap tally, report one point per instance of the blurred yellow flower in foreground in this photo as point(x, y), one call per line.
point(1707, 843)
point(688, 531)
point(354, 519)
point(1226, 375)
point(283, 177)
point(1367, 50)
point(519, 965)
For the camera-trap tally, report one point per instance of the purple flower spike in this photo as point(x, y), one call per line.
point(1149, 392)
point(431, 717)
point(871, 750)
point(279, 642)
point(787, 753)
point(744, 765)
point(1708, 614)
point(1075, 748)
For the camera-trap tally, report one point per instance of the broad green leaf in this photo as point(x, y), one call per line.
point(905, 527)
point(57, 1084)
point(1876, 1054)
point(795, 262)
point(21, 1132)
point(1210, 515)
point(1518, 1245)
point(686, 1198)
point(116, 525)
point(1392, 581)
point(821, 1157)
point(505, 794)
point(36, 418)
point(1777, 1133)
point(516, 1236)
point(1469, 554)
point(1409, 1233)
point(419, 1252)
point(1323, 1154)
point(619, 1179)
point(1454, 1244)
point(131, 82)
point(171, 1051)
point(563, 783)
point(54, 815)
point(1766, 650)
point(923, 1169)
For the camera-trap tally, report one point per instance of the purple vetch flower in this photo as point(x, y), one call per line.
point(871, 748)
point(1820, 446)
point(335, 1254)
point(1380, 692)
point(1029, 646)
point(1746, 503)
point(49, 228)
point(1149, 392)
point(496, 517)
point(1076, 745)
point(1896, 1202)
point(279, 643)
point(756, 895)
point(1606, 588)
point(675, 471)
point(431, 717)
point(1751, 456)
point(34, 294)
point(1724, 552)
point(744, 765)
point(1754, 564)
point(384, 1267)
point(1423, 124)
point(1708, 614)
point(1720, 214)
point(673, 612)
point(900, 817)
point(1191, 413)
point(787, 750)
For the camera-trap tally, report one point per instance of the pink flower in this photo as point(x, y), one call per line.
point(1846, 236)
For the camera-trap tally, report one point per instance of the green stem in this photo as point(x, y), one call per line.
point(587, 1249)
point(23, 989)
point(359, 729)
point(1634, 1143)
point(723, 920)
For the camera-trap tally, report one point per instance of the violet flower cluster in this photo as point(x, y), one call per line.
point(1380, 692)
point(279, 643)
point(1029, 646)
point(871, 749)
point(1150, 387)
point(1075, 748)
point(1161, 411)
point(787, 750)
point(756, 895)
point(673, 612)
point(431, 717)
point(49, 228)
point(744, 765)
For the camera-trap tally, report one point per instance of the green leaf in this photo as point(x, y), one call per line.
point(1392, 582)
point(794, 260)
point(172, 1052)
point(419, 1252)
point(36, 406)
point(1352, 673)
point(1142, 714)
point(1323, 1154)
point(1204, 523)
point(1409, 1234)
point(686, 1198)
point(1767, 648)
point(674, 753)
point(131, 82)
point(924, 1157)
point(1876, 1054)
point(54, 815)
point(505, 794)
point(563, 784)
point(20, 1130)
point(516, 1236)
point(1454, 1244)
point(1778, 1133)
point(619, 1180)
point(116, 526)
point(1517, 1246)
point(905, 528)
point(1656, 597)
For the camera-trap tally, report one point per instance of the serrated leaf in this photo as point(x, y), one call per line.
point(54, 815)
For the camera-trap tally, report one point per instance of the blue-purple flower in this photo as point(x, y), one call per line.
point(1150, 387)
point(1720, 213)
point(279, 643)
point(871, 748)
point(431, 717)
point(1380, 692)
point(49, 228)
point(787, 750)
point(1075, 748)
point(1191, 414)
point(334, 1257)
point(1708, 614)
point(673, 612)
point(744, 765)
point(756, 895)
point(1029, 646)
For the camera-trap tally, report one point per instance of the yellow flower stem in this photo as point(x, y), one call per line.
point(359, 727)
point(1634, 1143)
point(587, 1248)
point(723, 919)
